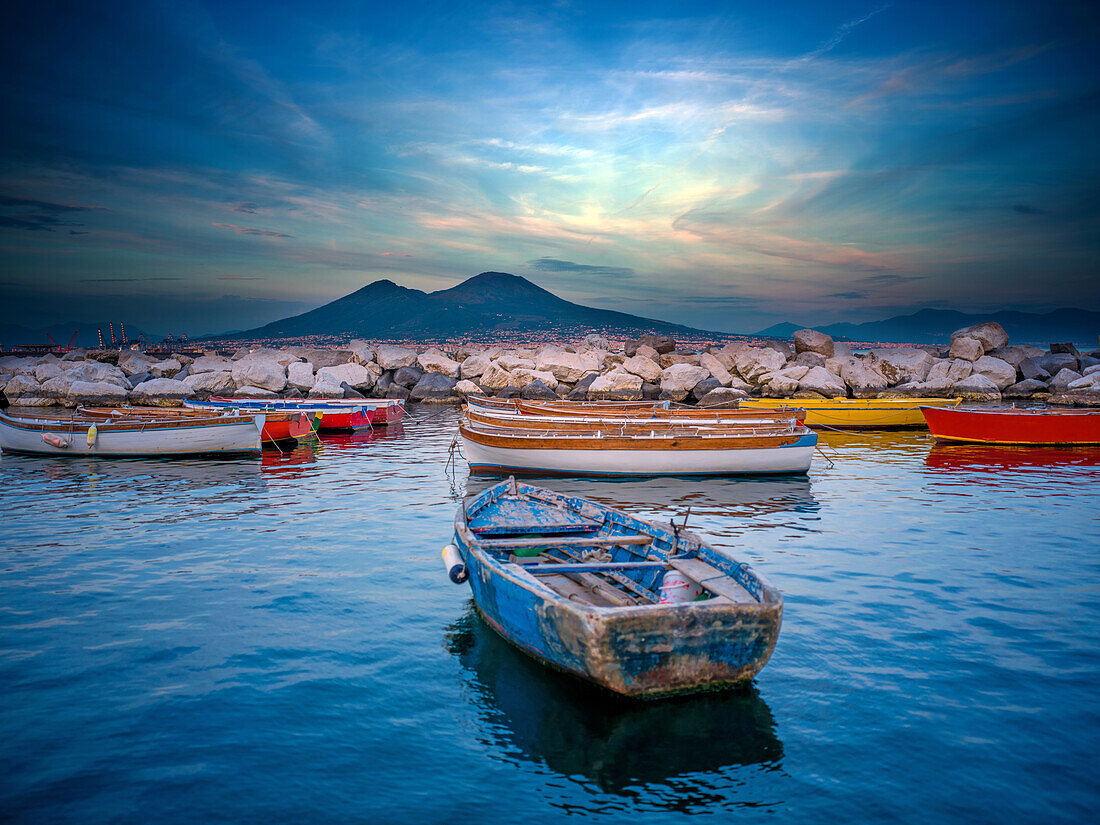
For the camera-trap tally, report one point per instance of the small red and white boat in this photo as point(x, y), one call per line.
point(1007, 425)
point(334, 414)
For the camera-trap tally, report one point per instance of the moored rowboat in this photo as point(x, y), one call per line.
point(129, 436)
point(336, 414)
point(1004, 425)
point(279, 427)
point(645, 452)
point(519, 411)
point(857, 413)
point(605, 596)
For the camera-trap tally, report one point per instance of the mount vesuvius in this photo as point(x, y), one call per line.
point(486, 303)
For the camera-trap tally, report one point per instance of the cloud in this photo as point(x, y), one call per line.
point(239, 278)
point(251, 230)
point(123, 280)
point(849, 296)
point(248, 207)
point(44, 217)
point(554, 265)
point(44, 206)
point(843, 31)
point(1027, 209)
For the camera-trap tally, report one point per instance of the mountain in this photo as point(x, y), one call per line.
point(489, 302)
point(87, 334)
point(934, 326)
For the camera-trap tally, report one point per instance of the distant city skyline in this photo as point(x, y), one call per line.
point(197, 167)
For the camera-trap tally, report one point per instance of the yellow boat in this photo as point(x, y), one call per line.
point(857, 413)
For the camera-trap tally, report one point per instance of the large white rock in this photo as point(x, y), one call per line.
point(44, 372)
point(621, 386)
point(281, 356)
point(132, 362)
point(820, 380)
point(565, 366)
point(214, 383)
point(258, 372)
point(24, 391)
point(976, 388)
point(495, 378)
point(466, 387)
point(362, 352)
point(862, 375)
point(474, 366)
point(646, 351)
point(777, 385)
point(161, 392)
point(1062, 380)
point(98, 392)
point(1088, 381)
point(510, 361)
point(433, 362)
point(947, 372)
point(727, 355)
point(680, 379)
point(643, 367)
point(254, 392)
point(999, 372)
point(991, 335)
point(716, 368)
point(357, 376)
point(300, 376)
point(810, 340)
point(17, 365)
point(753, 363)
point(967, 348)
point(166, 368)
point(521, 377)
point(393, 358)
point(211, 363)
point(902, 364)
point(326, 385)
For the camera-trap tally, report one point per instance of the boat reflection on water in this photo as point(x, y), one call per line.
point(145, 477)
point(673, 754)
point(290, 462)
point(361, 439)
point(661, 498)
point(995, 457)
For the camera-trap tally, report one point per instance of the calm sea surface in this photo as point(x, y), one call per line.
point(276, 641)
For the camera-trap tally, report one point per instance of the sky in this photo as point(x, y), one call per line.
point(195, 167)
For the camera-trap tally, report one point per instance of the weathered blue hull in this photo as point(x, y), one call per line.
point(645, 650)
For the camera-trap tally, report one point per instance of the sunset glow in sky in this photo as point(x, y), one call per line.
point(196, 167)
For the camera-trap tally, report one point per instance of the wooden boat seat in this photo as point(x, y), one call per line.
point(565, 541)
point(713, 580)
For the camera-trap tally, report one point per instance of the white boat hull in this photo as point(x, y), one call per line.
point(795, 458)
point(234, 436)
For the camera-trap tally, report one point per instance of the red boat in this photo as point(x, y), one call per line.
point(1003, 425)
point(285, 426)
point(333, 414)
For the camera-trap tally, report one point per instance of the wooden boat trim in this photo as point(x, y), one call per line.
point(76, 424)
point(592, 441)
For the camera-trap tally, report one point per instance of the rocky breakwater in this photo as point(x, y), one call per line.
point(979, 365)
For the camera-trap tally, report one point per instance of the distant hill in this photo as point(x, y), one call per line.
point(934, 326)
point(489, 302)
point(87, 334)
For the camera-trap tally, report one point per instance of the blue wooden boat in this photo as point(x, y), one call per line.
point(599, 593)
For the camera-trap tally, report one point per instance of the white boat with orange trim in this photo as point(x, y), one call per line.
point(614, 451)
point(127, 436)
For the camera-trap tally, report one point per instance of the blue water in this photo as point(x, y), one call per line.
point(276, 641)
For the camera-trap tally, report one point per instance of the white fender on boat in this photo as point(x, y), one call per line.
point(456, 567)
point(55, 440)
point(259, 421)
